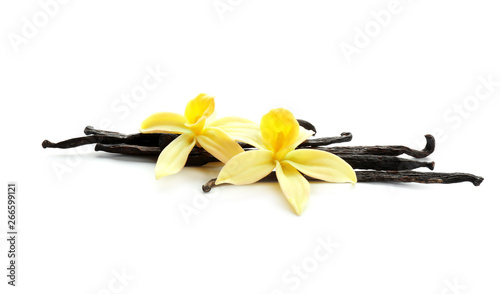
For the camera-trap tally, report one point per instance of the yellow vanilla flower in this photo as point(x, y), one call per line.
point(279, 135)
point(196, 127)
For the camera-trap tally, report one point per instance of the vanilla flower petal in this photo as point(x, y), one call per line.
point(303, 135)
point(247, 168)
point(198, 110)
point(165, 122)
point(279, 129)
point(321, 165)
point(202, 106)
point(294, 186)
point(219, 144)
point(173, 158)
point(240, 129)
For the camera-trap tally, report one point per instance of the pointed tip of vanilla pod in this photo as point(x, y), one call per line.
point(307, 125)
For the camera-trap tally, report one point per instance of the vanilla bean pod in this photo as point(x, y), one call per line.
point(150, 139)
point(90, 130)
point(382, 162)
point(418, 177)
point(134, 139)
point(74, 142)
point(388, 176)
point(160, 139)
point(163, 139)
point(128, 149)
point(344, 137)
point(106, 137)
point(152, 144)
point(389, 150)
point(376, 162)
point(307, 125)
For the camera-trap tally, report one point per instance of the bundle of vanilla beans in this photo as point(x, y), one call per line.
point(371, 163)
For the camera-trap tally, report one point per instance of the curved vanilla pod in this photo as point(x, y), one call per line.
point(388, 176)
point(307, 125)
point(159, 139)
point(389, 150)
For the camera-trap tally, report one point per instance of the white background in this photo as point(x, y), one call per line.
point(84, 216)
